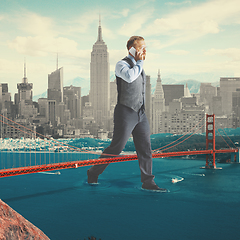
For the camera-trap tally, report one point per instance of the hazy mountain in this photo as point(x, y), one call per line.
point(42, 95)
point(76, 82)
point(193, 85)
point(84, 83)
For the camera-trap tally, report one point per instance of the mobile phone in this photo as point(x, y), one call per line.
point(132, 50)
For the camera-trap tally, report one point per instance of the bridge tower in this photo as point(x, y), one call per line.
point(210, 141)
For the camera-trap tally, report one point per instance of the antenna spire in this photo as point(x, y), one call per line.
point(159, 76)
point(100, 30)
point(25, 68)
point(57, 61)
point(24, 80)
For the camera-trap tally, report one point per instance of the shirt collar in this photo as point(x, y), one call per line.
point(132, 58)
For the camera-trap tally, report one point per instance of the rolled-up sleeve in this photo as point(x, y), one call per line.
point(124, 71)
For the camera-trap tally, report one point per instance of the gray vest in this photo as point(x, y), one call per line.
point(132, 94)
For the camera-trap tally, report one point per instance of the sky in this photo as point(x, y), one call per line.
point(186, 39)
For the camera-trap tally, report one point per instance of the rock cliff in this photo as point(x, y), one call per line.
point(13, 226)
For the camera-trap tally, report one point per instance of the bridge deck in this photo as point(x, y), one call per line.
point(82, 163)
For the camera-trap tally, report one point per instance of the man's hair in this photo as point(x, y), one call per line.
point(132, 40)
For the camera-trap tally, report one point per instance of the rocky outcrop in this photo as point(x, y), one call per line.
point(13, 226)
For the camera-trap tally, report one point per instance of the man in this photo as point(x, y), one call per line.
point(129, 115)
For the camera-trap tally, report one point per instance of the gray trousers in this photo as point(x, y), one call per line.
point(127, 122)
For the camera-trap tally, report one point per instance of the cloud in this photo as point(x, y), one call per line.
point(82, 23)
point(125, 12)
point(41, 36)
point(107, 33)
point(178, 3)
point(233, 53)
point(43, 46)
point(143, 3)
point(178, 52)
point(193, 22)
point(134, 23)
point(153, 44)
point(34, 24)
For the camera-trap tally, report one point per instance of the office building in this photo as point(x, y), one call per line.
point(148, 100)
point(207, 93)
point(55, 86)
point(72, 100)
point(187, 91)
point(6, 105)
point(236, 108)
point(52, 112)
point(113, 95)
point(181, 120)
point(158, 106)
point(216, 106)
point(227, 87)
point(172, 92)
point(26, 109)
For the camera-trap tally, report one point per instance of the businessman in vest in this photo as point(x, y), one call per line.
point(129, 115)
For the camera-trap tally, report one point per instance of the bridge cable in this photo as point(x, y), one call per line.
point(185, 138)
point(180, 137)
point(227, 136)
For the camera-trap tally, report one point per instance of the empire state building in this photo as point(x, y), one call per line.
point(100, 81)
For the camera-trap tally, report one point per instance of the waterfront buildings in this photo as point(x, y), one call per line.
point(184, 114)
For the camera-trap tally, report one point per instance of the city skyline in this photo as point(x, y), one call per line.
point(188, 38)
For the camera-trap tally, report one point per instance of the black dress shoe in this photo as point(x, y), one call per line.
point(153, 187)
point(92, 178)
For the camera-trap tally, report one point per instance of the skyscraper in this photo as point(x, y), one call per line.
point(5, 101)
point(187, 92)
point(172, 92)
point(100, 80)
point(227, 87)
point(72, 99)
point(25, 88)
point(26, 108)
point(158, 106)
point(207, 93)
point(148, 102)
point(55, 94)
point(55, 85)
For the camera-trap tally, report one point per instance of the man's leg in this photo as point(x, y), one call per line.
point(125, 119)
point(141, 138)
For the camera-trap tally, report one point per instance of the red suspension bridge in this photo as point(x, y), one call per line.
point(49, 162)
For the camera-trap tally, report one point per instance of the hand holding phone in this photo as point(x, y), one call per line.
point(132, 50)
point(137, 55)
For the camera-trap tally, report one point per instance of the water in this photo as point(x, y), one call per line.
point(204, 205)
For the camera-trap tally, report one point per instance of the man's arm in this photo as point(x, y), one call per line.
point(124, 71)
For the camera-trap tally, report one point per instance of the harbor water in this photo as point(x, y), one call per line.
point(200, 204)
